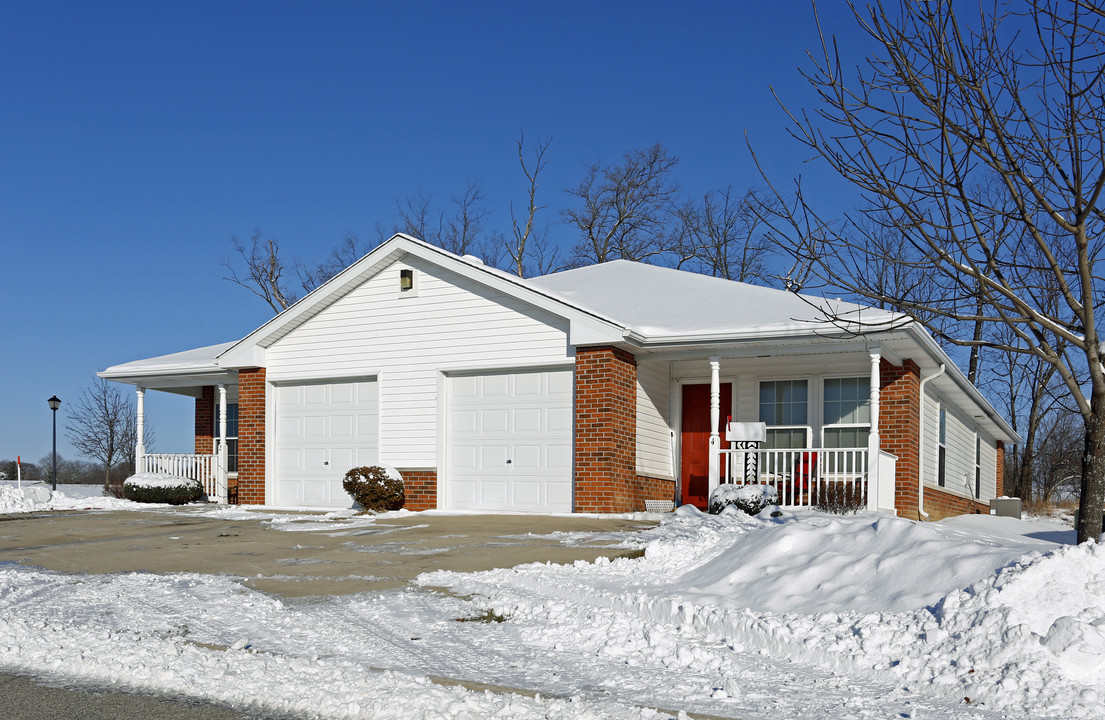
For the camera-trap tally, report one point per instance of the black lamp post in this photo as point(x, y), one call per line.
point(54, 405)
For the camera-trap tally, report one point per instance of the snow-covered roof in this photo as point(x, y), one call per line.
point(658, 302)
point(188, 362)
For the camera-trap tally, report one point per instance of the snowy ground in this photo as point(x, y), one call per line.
point(805, 615)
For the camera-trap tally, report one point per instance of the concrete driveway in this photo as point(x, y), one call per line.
point(298, 554)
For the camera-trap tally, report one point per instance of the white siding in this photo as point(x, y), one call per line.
point(654, 446)
point(960, 453)
point(406, 342)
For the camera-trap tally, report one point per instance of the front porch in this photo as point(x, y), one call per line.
point(768, 435)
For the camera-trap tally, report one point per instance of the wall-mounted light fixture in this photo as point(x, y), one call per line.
point(406, 280)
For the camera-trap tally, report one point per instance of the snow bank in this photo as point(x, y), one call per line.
point(983, 615)
point(74, 497)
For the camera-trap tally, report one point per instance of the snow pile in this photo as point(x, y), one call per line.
point(67, 497)
point(13, 500)
point(158, 480)
point(979, 615)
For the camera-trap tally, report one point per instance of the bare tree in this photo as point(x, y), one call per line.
point(266, 274)
point(102, 425)
point(980, 142)
point(627, 211)
point(526, 235)
point(722, 236)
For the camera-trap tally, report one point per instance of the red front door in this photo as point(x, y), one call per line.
point(695, 454)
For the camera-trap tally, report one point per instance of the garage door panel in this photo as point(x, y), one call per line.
point(558, 420)
point(495, 421)
point(527, 492)
point(523, 418)
point(322, 430)
point(528, 420)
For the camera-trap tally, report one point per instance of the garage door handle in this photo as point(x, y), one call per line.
point(325, 462)
point(508, 462)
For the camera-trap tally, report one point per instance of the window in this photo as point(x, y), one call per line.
point(978, 466)
point(231, 435)
point(942, 453)
point(783, 407)
point(847, 407)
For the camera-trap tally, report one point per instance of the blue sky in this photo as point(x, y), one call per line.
point(136, 138)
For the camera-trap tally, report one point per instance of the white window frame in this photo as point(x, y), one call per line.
point(808, 426)
point(941, 445)
point(229, 437)
point(865, 381)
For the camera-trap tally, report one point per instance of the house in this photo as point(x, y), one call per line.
point(588, 390)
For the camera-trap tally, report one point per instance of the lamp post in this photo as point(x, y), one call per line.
point(54, 405)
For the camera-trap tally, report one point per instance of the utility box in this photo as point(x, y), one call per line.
point(1006, 507)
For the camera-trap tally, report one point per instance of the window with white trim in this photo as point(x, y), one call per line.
point(978, 466)
point(784, 409)
point(942, 453)
point(231, 435)
point(847, 413)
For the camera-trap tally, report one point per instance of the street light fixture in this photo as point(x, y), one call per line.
point(54, 405)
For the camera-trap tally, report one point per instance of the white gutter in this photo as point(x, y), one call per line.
point(921, 442)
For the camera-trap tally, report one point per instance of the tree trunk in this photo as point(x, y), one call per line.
point(107, 475)
point(1093, 471)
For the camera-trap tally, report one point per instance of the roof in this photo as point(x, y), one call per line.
point(187, 362)
point(663, 303)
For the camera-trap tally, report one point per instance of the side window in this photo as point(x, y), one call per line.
point(942, 456)
point(978, 466)
point(847, 413)
point(231, 435)
point(784, 408)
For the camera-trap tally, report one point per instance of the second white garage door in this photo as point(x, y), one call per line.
point(510, 441)
point(323, 430)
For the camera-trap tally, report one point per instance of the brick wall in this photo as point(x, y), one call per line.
point(251, 436)
point(899, 426)
point(205, 422)
point(940, 504)
point(420, 488)
point(606, 477)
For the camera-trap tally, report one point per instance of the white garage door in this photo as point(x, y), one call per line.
point(510, 441)
point(323, 430)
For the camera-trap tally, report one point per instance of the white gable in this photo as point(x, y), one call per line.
point(408, 341)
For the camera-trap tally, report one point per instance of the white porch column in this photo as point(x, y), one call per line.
point(873, 443)
point(221, 471)
point(140, 431)
point(715, 417)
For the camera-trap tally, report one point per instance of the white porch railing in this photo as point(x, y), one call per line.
point(204, 468)
point(803, 477)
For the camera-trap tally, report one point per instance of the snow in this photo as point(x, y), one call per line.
point(158, 480)
point(676, 298)
point(67, 497)
point(187, 361)
point(802, 615)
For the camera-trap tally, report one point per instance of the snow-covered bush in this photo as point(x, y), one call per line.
point(162, 488)
point(375, 488)
point(748, 498)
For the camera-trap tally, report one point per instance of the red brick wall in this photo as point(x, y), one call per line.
point(606, 431)
point(940, 504)
point(205, 422)
point(251, 436)
point(420, 488)
point(899, 426)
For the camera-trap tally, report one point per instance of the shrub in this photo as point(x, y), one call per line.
point(159, 488)
point(750, 499)
point(840, 498)
point(375, 488)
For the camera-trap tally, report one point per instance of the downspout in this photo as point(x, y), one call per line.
point(921, 441)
